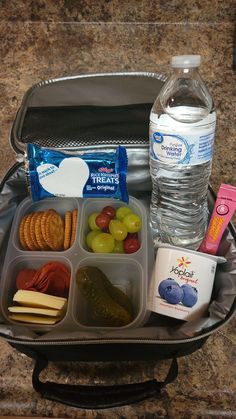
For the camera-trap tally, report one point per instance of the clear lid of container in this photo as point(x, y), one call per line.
point(185, 61)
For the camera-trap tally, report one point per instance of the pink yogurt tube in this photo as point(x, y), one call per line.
point(223, 211)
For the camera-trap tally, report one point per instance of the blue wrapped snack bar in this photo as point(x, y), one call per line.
point(93, 174)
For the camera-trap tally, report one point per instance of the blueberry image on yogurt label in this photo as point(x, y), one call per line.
point(190, 295)
point(173, 294)
point(165, 283)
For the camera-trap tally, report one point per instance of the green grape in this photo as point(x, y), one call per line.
point(118, 230)
point(133, 223)
point(103, 243)
point(92, 221)
point(90, 236)
point(119, 246)
point(122, 212)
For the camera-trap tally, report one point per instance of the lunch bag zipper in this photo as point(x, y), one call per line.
point(124, 341)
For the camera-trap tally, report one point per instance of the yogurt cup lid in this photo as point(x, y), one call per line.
point(217, 259)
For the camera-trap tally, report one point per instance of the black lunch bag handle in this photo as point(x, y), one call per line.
point(99, 397)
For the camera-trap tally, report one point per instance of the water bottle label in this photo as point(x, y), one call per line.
point(187, 149)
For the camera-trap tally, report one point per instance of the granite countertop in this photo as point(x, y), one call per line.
point(44, 41)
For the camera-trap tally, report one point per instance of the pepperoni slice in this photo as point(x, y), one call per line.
point(59, 271)
point(24, 279)
point(57, 286)
point(52, 278)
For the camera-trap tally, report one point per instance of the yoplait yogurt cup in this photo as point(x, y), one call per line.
point(182, 282)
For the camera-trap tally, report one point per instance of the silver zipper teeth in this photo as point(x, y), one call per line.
point(101, 341)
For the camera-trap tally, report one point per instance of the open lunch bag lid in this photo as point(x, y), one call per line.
point(87, 112)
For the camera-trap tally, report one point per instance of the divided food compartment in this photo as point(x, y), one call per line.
point(8, 286)
point(129, 272)
point(127, 275)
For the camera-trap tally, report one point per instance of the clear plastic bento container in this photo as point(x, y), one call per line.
point(128, 272)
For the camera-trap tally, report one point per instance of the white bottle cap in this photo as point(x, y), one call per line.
point(186, 61)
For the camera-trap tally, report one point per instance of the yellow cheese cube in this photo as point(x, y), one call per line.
point(35, 310)
point(39, 299)
point(30, 318)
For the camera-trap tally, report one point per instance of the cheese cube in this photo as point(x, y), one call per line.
point(39, 299)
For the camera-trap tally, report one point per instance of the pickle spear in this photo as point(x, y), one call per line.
point(108, 303)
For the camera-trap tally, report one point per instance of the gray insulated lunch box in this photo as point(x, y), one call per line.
point(95, 112)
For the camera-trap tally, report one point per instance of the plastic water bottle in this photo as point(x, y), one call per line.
point(182, 129)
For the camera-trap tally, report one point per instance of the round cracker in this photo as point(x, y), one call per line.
point(32, 230)
point(21, 233)
point(54, 230)
point(27, 235)
point(74, 225)
point(67, 233)
point(38, 232)
point(43, 222)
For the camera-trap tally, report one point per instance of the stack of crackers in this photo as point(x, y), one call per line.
point(48, 230)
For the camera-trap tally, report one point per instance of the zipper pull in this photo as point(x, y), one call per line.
point(21, 158)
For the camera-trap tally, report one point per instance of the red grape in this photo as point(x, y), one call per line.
point(103, 220)
point(131, 245)
point(109, 211)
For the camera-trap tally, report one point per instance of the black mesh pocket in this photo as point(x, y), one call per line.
point(73, 126)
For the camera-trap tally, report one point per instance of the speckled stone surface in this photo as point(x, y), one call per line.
point(46, 39)
point(36, 51)
point(115, 11)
